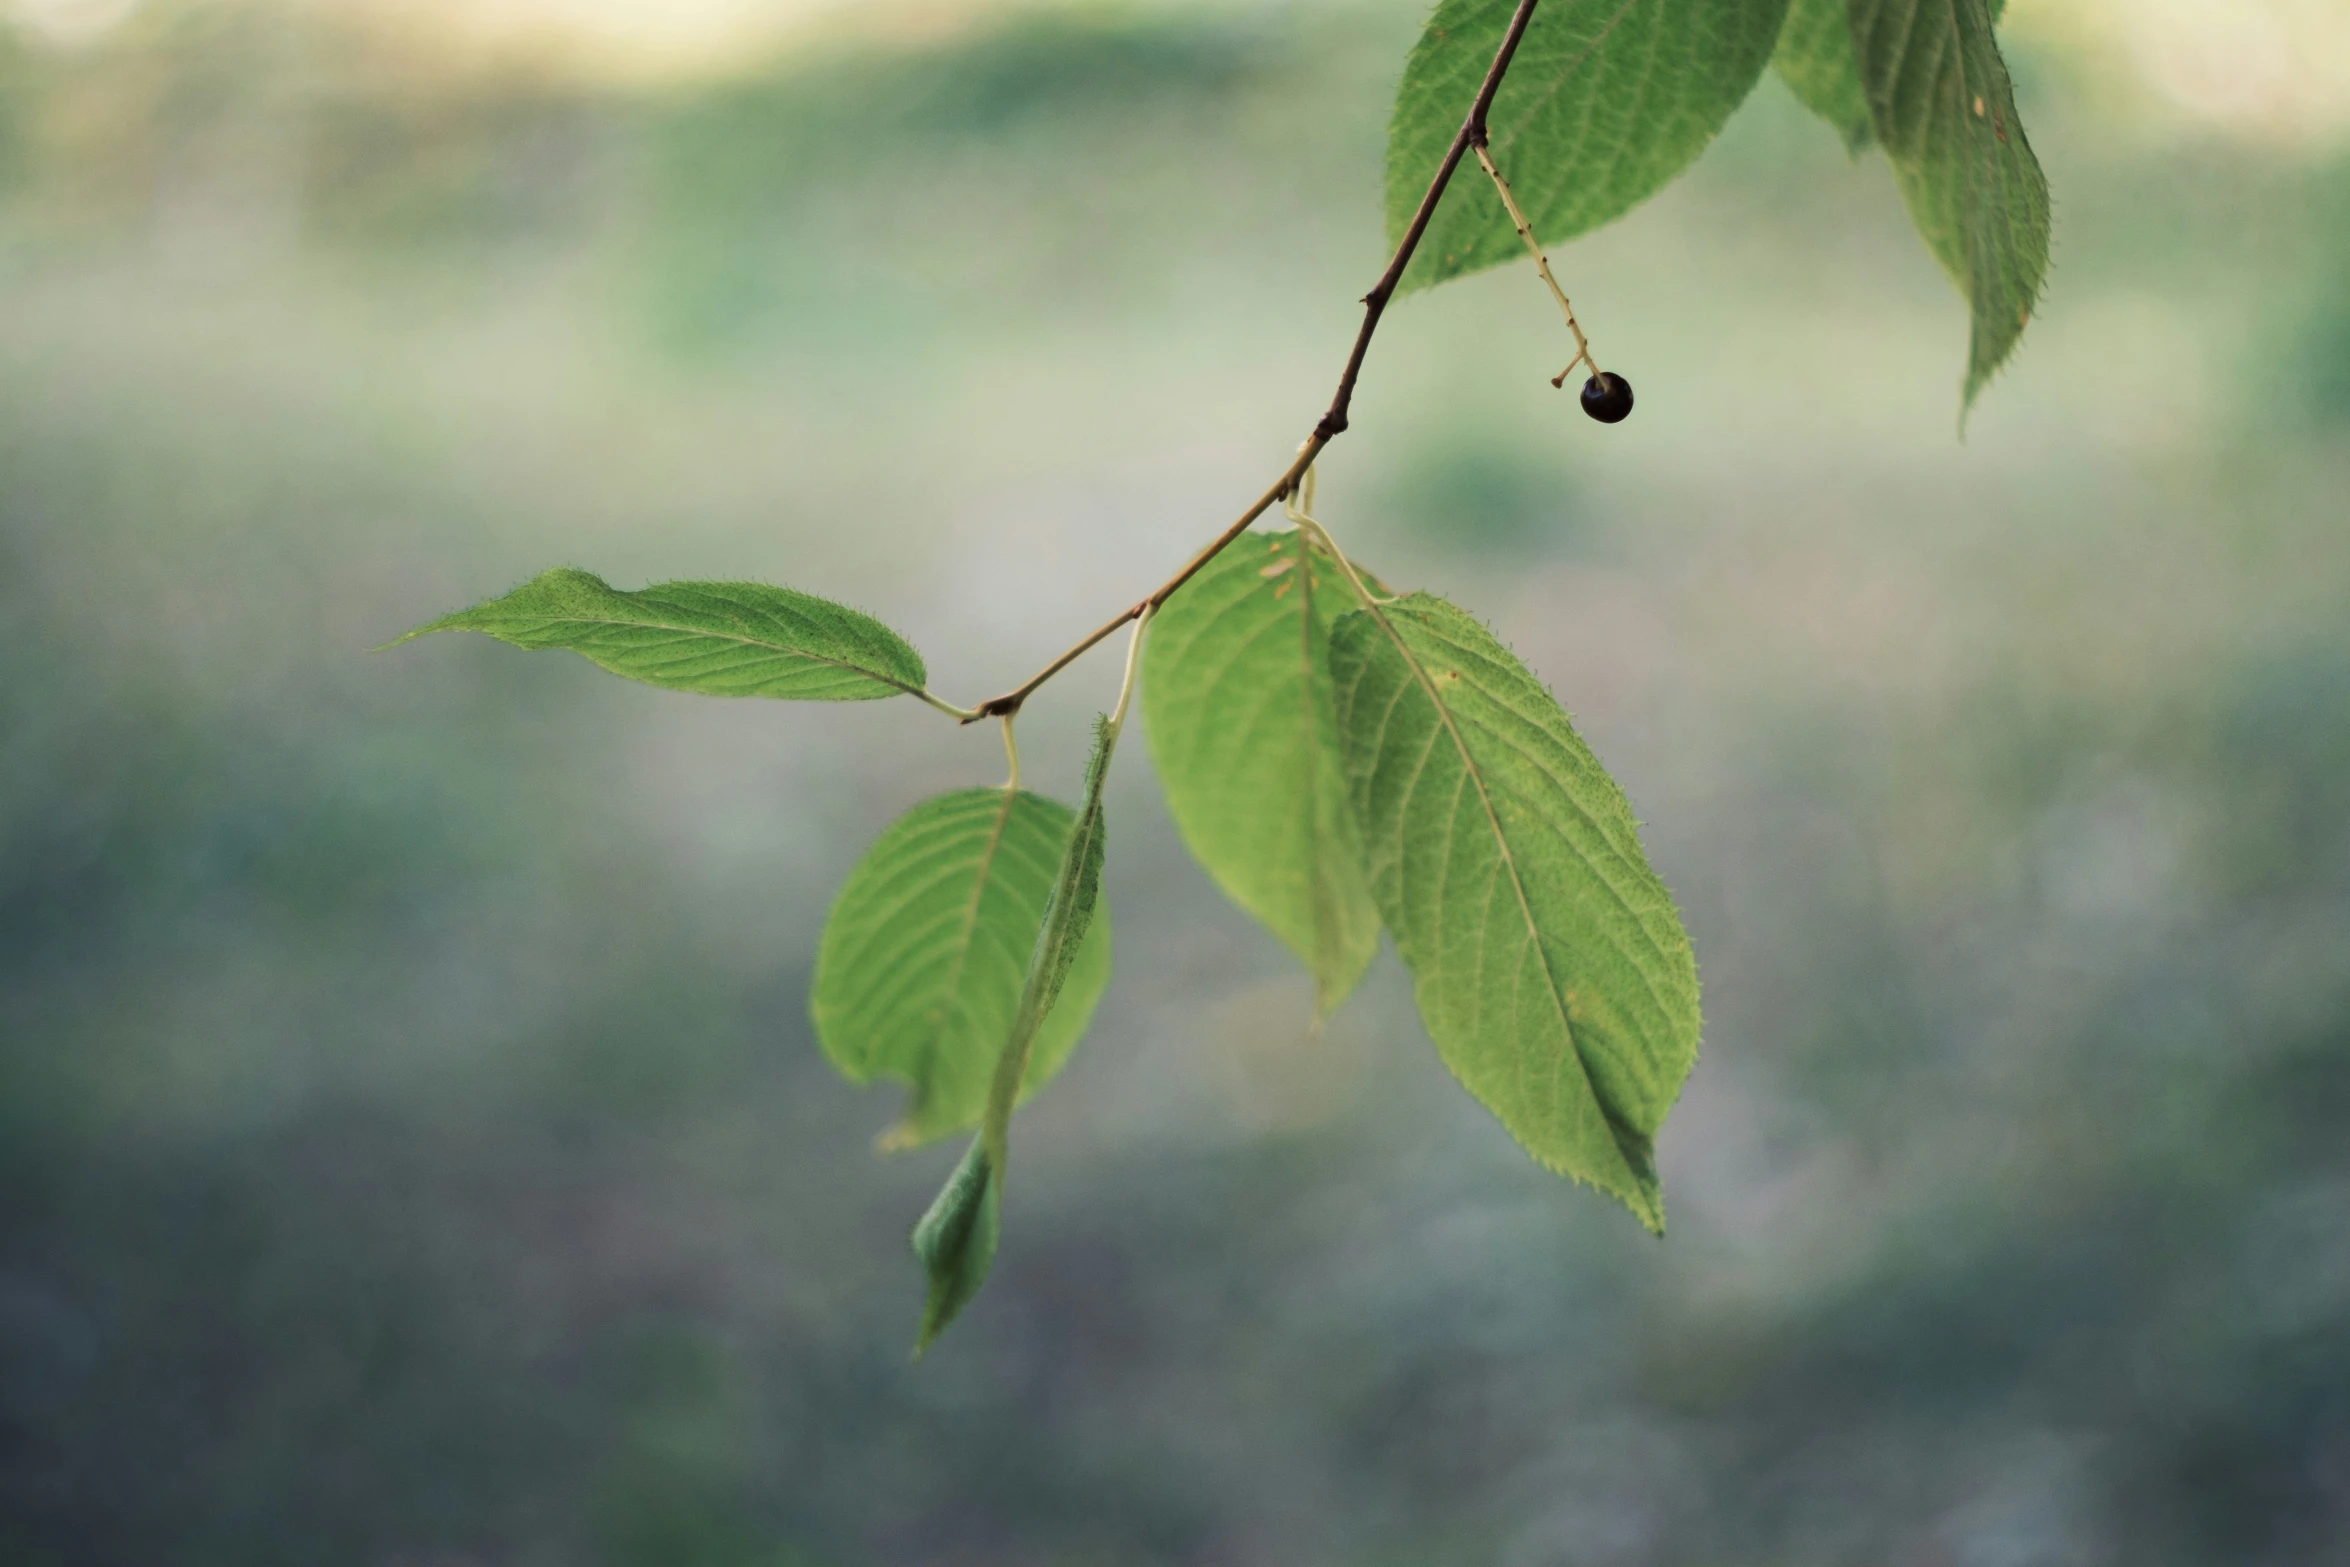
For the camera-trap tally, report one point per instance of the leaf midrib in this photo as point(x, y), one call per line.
point(1622, 1132)
point(1550, 92)
point(1632, 915)
point(970, 926)
point(1615, 893)
point(887, 924)
point(719, 636)
point(1318, 909)
point(1500, 840)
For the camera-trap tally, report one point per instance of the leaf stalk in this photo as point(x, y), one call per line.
point(1541, 264)
point(1301, 513)
point(959, 714)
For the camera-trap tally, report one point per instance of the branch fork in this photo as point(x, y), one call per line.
point(1333, 422)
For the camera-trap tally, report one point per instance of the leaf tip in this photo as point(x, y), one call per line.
point(1650, 1211)
point(1970, 393)
point(450, 622)
point(956, 1242)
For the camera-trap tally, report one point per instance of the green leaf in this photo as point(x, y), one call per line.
point(956, 1241)
point(1068, 915)
point(1236, 695)
point(926, 952)
point(1550, 965)
point(717, 638)
point(1606, 101)
point(1815, 59)
point(1940, 98)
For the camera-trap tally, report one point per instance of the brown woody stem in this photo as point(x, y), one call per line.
point(1334, 419)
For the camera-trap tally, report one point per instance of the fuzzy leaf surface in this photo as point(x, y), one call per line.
point(956, 1241)
point(1236, 700)
point(715, 638)
point(1941, 102)
point(1549, 963)
point(1815, 59)
point(1606, 101)
point(926, 951)
point(1068, 917)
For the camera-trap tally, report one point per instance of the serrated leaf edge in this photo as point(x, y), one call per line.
point(1649, 1209)
point(456, 621)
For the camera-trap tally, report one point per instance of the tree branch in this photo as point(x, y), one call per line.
point(1334, 419)
point(1375, 302)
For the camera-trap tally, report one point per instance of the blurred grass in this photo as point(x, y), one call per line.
point(411, 1146)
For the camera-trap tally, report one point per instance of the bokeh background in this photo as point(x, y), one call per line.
point(412, 1146)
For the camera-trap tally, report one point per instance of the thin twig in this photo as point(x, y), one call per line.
point(1012, 756)
point(1375, 302)
point(1541, 265)
point(1010, 701)
point(1334, 419)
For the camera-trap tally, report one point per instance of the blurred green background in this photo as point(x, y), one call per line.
point(412, 1146)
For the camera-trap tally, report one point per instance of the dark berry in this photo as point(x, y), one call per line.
point(1607, 397)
